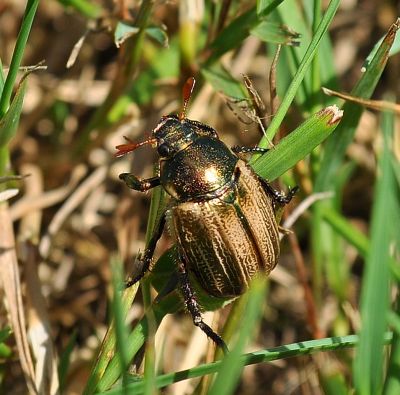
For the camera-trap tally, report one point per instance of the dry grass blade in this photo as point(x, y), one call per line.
point(28, 203)
point(39, 328)
point(9, 276)
point(380, 105)
point(95, 179)
point(303, 207)
point(46, 377)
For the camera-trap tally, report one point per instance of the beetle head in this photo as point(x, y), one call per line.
point(172, 134)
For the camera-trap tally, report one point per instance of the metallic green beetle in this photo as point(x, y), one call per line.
point(221, 214)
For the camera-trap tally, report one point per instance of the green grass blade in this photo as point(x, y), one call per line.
point(231, 366)
point(271, 32)
point(27, 21)
point(267, 355)
point(119, 316)
point(136, 339)
point(5, 351)
point(86, 8)
point(222, 81)
point(5, 334)
point(2, 78)
point(367, 369)
point(393, 50)
point(9, 122)
point(342, 226)
point(336, 146)
point(392, 382)
point(333, 384)
point(65, 359)
point(107, 351)
point(239, 29)
point(303, 67)
point(290, 14)
point(157, 209)
point(296, 145)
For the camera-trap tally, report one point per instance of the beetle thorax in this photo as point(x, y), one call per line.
point(194, 163)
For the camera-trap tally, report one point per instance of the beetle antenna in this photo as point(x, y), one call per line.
point(124, 149)
point(186, 94)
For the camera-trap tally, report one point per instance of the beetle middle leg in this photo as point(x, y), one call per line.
point(148, 252)
point(237, 149)
point(194, 308)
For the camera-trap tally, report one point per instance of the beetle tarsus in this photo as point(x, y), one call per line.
point(278, 196)
point(194, 309)
point(138, 184)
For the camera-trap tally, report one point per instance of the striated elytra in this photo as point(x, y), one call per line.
point(221, 214)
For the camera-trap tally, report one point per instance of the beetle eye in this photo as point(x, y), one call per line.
point(163, 149)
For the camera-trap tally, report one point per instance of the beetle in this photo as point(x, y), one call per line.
point(221, 215)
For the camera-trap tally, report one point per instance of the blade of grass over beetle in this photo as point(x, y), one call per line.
point(157, 208)
point(303, 67)
point(298, 144)
point(272, 354)
point(119, 316)
point(367, 368)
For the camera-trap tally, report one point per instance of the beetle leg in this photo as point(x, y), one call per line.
point(278, 196)
point(194, 308)
point(237, 149)
point(148, 252)
point(138, 184)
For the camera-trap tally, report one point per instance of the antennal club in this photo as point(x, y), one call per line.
point(186, 94)
point(124, 149)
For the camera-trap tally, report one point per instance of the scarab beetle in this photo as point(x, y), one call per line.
point(220, 214)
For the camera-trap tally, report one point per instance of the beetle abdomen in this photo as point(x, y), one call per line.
point(228, 239)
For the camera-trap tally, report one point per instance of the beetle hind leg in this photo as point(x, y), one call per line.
point(194, 308)
point(278, 196)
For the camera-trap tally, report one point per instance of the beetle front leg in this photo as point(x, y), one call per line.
point(278, 196)
point(194, 308)
point(139, 184)
point(148, 252)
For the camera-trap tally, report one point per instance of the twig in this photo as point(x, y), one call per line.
point(303, 206)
